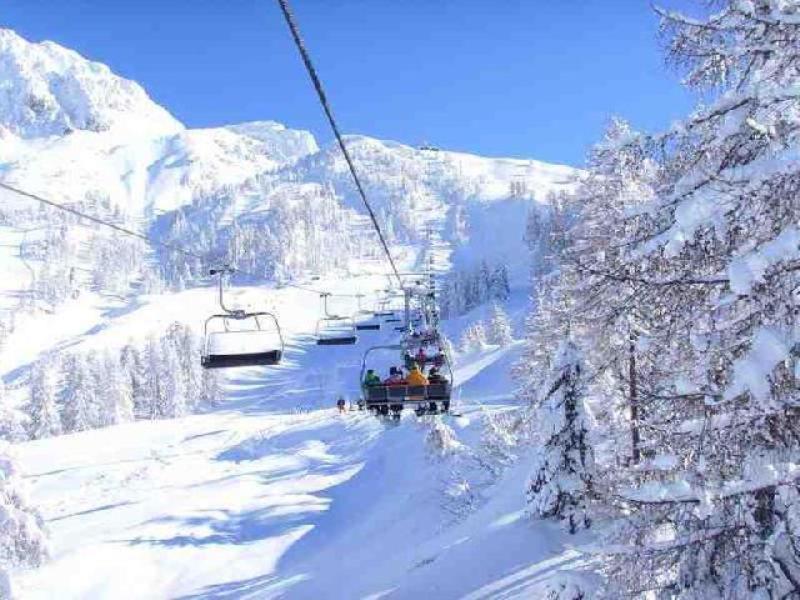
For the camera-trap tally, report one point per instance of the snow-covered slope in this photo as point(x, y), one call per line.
point(257, 499)
point(466, 199)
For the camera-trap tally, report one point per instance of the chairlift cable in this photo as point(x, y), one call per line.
point(312, 73)
point(99, 221)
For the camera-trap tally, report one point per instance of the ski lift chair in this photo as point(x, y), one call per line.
point(249, 346)
point(424, 398)
point(336, 331)
point(368, 320)
point(368, 326)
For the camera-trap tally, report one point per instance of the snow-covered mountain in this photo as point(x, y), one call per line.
point(48, 90)
point(73, 130)
point(272, 201)
point(258, 194)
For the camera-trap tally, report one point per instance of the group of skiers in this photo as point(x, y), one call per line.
point(415, 376)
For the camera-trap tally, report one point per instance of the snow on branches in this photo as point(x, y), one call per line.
point(562, 480)
point(23, 542)
point(679, 282)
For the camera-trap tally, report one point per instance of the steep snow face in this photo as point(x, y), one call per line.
point(465, 175)
point(199, 162)
point(46, 89)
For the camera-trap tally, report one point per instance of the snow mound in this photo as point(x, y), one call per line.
point(46, 90)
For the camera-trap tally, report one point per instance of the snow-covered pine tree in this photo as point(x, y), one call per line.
point(117, 393)
point(502, 432)
point(187, 350)
point(42, 409)
point(172, 401)
point(598, 281)
point(23, 542)
point(500, 288)
point(718, 260)
point(154, 398)
point(76, 397)
point(486, 283)
point(562, 480)
point(474, 337)
point(499, 331)
point(98, 395)
point(132, 366)
point(211, 392)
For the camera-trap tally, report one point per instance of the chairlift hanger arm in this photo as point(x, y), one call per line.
point(221, 272)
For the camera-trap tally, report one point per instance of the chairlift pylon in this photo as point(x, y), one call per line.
point(248, 347)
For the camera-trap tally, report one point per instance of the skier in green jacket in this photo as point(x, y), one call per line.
point(371, 378)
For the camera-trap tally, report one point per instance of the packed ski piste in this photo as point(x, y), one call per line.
point(237, 364)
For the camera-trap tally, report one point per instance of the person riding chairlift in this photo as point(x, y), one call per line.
point(416, 376)
point(395, 377)
point(421, 356)
point(435, 377)
point(371, 378)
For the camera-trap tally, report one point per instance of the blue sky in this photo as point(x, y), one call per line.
point(529, 78)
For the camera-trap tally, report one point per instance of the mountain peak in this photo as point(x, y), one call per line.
point(46, 90)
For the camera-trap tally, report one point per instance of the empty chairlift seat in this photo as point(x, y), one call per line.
point(242, 340)
point(368, 324)
point(336, 331)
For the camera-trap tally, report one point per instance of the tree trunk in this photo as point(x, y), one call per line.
point(634, 399)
